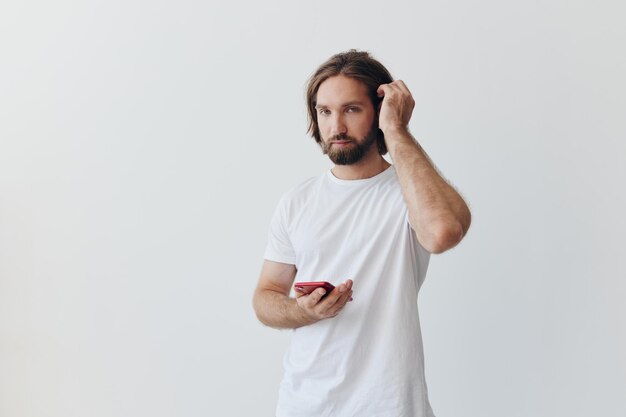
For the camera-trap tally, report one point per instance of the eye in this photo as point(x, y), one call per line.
point(352, 109)
point(324, 112)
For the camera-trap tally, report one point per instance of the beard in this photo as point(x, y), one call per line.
point(351, 153)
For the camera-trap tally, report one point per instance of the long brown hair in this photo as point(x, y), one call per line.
point(355, 64)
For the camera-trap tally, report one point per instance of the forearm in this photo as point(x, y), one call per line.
point(278, 310)
point(437, 212)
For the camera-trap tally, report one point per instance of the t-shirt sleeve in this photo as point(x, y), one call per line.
point(279, 247)
point(422, 255)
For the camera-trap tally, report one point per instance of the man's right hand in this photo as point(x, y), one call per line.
point(316, 308)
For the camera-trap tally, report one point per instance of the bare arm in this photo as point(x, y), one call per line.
point(438, 214)
point(275, 308)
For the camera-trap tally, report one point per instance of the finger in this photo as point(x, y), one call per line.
point(406, 93)
point(341, 303)
point(333, 297)
point(383, 89)
point(349, 284)
point(344, 298)
point(401, 85)
point(391, 92)
point(314, 298)
point(402, 88)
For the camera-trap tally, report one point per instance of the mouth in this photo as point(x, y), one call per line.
point(340, 142)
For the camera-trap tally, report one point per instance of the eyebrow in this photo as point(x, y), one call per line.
point(350, 103)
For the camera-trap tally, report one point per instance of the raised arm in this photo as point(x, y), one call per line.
point(275, 308)
point(437, 212)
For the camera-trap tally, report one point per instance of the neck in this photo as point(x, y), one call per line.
point(369, 166)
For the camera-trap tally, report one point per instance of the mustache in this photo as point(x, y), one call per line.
point(342, 136)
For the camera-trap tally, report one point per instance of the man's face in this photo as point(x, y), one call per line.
point(346, 119)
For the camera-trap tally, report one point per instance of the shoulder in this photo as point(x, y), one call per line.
point(388, 181)
point(303, 191)
point(296, 200)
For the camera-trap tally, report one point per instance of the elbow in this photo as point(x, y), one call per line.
point(262, 320)
point(256, 306)
point(445, 237)
point(259, 305)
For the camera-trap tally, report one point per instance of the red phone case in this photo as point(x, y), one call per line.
point(309, 287)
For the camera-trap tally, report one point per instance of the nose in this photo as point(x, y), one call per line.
point(338, 125)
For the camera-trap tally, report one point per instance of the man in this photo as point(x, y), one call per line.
point(369, 228)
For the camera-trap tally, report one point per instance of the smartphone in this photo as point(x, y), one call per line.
point(309, 287)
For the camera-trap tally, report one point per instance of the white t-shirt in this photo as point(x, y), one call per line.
point(367, 361)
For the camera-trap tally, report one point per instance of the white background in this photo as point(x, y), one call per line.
point(144, 145)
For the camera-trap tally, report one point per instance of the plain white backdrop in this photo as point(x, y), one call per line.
point(144, 145)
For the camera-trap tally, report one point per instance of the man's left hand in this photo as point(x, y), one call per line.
point(396, 107)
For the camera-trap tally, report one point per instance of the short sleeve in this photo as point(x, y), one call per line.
point(279, 247)
point(422, 256)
